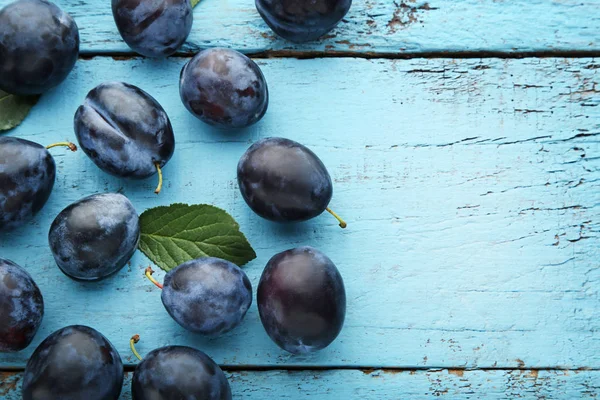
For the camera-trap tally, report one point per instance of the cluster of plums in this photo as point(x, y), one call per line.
point(127, 133)
point(301, 302)
point(39, 45)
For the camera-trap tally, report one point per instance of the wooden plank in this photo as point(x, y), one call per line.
point(379, 384)
point(378, 26)
point(471, 189)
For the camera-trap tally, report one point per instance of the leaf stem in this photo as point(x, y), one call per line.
point(160, 178)
point(134, 339)
point(342, 222)
point(149, 273)
point(70, 145)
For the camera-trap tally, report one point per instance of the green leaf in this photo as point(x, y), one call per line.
point(14, 109)
point(172, 235)
point(194, 3)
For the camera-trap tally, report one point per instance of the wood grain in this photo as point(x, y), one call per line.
point(471, 190)
point(389, 385)
point(377, 26)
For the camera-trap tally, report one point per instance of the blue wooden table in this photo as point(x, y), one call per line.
point(463, 138)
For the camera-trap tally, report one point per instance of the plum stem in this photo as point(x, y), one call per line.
point(134, 339)
point(149, 273)
point(70, 145)
point(342, 222)
point(160, 178)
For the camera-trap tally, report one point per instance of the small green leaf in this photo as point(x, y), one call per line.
point(194, 3)
point(14, 109)
point(172, 235)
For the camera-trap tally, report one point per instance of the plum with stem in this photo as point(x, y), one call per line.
point(177, 372)
point(125, 131)
point(27, 174)
point(284, 181)
point(207, 295)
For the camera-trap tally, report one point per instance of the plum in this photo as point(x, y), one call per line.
point(125, 131)
point(302, 20)
point(74, 363)
point(179, 372)
point(224, 88)
point(27, 174)
point(94, 237)
point(208, 295)
point(301, 300)
point(21, 307)
point(39, 45)
point(284, 181)
point(153, 28)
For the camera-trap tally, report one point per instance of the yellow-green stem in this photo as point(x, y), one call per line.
point(134, 339)
point(70, 145)
point(341, 221)
point(160, 178)
point(149, 273)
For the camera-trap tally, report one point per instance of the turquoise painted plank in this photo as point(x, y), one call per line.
point(378, 26)
point(471, 189)
point(378, 384)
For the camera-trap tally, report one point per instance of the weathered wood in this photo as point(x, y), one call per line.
point(388, 385)
point(378, 26)
point(471, 189)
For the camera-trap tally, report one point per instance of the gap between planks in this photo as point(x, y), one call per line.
point(299, 54)
point(364, 369)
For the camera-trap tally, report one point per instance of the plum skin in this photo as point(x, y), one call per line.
point(27, 174)
point(302, 20)
point(124, 130)
point(21, 307)
point(94, 237)
point(207, 295)
point(76, 362)
point(301, 300)
point(178, 372)
point(284, 181)
point(39, 45)
point(153, 29)
point(224, 88)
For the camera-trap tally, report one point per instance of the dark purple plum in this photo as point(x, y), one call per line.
point(224, 88)
point(21, 307)
point(74, 363)
point(302, 20)
point(178, 372)
point(284, 181)
point(124, 130)
point(153, 28)
point(301, 300)
point(208, 295)
point(27, 174)
point(39, 45)
point(94, 237)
